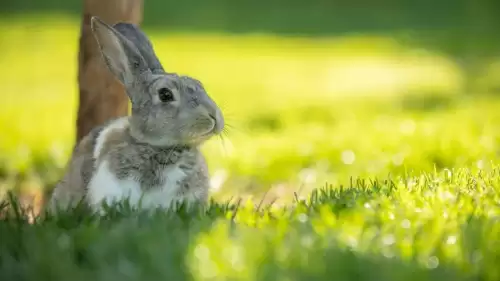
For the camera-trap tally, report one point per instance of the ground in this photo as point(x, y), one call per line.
point(351, 158)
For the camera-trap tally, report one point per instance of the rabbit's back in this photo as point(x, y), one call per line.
point(71, 189)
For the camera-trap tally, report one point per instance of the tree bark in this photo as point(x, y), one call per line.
point(101, 96)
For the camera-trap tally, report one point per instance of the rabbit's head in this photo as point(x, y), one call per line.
point(167, 109)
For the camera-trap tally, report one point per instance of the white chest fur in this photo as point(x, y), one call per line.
point(105, 186)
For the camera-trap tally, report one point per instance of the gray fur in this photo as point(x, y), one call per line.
point(158, 134)
point(140, 40)
point(145, 163)
point(72, 187)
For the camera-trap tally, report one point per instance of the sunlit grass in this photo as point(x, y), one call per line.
point(431, 226)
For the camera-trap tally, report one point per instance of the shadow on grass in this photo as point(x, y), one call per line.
point(427, 102)
point(80, 245)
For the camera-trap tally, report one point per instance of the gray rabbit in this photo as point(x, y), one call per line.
point(151, 157)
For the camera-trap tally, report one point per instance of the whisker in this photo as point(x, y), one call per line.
point(228, 126)
point(226, 143)
point(226, 134)
point(229, 132)
point(223, 143)
point(231, 128)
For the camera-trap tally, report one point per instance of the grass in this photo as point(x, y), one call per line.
point(348, 158)
point(437, 226)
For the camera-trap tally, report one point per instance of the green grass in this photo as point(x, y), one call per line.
point(405, 163)
point(438, 226)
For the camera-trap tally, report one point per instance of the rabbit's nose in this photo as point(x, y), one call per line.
point(212, 111)
point(219, 121)
point(216, 117)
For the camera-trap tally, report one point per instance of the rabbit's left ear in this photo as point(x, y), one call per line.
point(120, 55)
point(140, 40)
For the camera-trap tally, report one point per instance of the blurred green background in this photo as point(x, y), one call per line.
point(315, 92)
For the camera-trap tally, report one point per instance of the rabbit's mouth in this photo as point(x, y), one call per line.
point(217, 125)
point(202, 130)
point(205, 135)
point(208, 133)
point(212, 128)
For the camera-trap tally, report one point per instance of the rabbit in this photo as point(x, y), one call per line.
point(152, 157)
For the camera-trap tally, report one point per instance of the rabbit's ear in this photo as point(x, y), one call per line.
point(135, 35)
point(121, 56)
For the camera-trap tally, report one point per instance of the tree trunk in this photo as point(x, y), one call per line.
point(102, 97)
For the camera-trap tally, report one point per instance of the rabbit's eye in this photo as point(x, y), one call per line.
point(165, 95)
